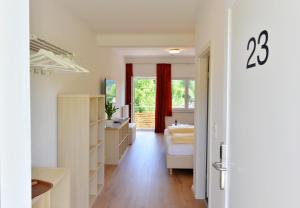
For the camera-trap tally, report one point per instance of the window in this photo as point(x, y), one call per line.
point(191, 94)
point(183, 94)
point(178, 93)
point(144, 102)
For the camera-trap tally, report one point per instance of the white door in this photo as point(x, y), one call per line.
point(264, 169)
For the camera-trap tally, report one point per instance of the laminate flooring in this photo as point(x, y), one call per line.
point(142, 180)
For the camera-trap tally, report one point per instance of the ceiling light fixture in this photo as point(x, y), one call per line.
point(174, 50)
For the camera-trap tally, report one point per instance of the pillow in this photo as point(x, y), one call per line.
point(183, 138)
point(175, 130)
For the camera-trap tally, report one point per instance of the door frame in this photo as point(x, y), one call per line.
point(227, 85)
point(203, 111)
point(133, 96)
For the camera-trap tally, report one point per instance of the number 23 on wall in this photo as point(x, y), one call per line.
point(263, 43)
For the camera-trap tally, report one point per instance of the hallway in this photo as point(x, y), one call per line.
point(142, 180)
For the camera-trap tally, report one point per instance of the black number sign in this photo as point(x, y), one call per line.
point(264, 46)
point(264, 34)
point(252, 40)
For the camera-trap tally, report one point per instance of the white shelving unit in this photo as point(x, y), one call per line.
point(81, 132)
point(117, 141)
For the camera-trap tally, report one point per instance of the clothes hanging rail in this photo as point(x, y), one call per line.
point(47, 57)
point(36, 44)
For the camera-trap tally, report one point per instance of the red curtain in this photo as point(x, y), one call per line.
point(163, 96)
point(129, 74)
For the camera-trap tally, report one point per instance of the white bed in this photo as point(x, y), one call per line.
point(178, 156)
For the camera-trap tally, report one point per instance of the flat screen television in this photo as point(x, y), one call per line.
point(110, 90)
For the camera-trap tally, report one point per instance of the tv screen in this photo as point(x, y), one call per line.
point(110, 90)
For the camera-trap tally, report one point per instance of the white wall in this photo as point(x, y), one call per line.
point(15, 164)
point(145, 40)
point(185, 70)
point(182, 67)
point(113, 65)
point(52, 22)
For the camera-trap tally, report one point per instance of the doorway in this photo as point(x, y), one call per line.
point(205, 67)
point(207, 129)
point(202, 126)
point(144, 96)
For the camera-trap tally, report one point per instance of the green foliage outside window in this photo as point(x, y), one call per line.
point(178, 93)
point(145, 91)
point(144, 95)
point(191, 93)
point(111, 91)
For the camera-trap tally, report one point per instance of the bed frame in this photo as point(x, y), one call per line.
point(179, 162)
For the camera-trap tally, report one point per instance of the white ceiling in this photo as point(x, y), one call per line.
point(153, 52)
point(136, 16)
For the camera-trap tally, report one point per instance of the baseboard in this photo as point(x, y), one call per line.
point(197, 196)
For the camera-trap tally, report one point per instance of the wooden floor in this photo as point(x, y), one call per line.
point(142, 180)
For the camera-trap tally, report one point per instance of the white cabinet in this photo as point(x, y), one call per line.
point(81, 132)
point(116, 142)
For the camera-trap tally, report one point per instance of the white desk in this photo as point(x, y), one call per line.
point(59, 195)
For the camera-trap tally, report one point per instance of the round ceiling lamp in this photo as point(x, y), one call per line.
point(174, 50)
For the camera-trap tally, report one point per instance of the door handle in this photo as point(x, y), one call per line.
point(219, 166)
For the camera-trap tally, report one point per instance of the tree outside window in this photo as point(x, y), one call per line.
point(183, 94)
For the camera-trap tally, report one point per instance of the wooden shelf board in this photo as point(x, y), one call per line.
point(123, 139)
point(123, 155)
point(99, 188)
point(99, 165)
point(93, 148)
point(97, 96)
point(92, 199)
point(92, 173)
point(100, 142)
point(101, 120)
point(93, 123)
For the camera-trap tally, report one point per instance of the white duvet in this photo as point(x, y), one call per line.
point(177, 149)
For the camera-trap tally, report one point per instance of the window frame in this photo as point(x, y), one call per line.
point(186, 97)
point(134, 78)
